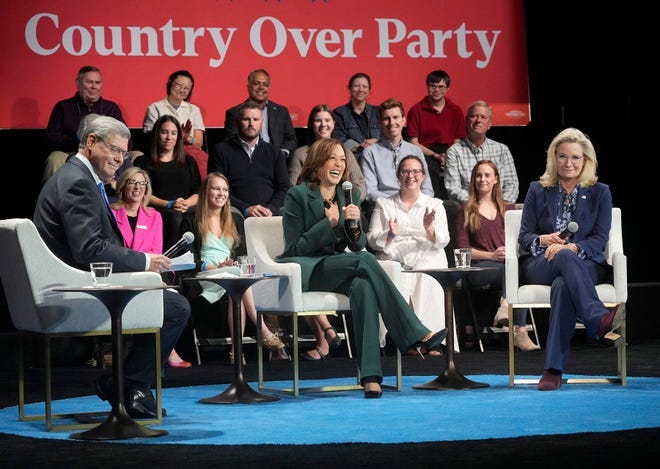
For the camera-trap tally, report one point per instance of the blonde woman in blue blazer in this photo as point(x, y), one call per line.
point(568, 191)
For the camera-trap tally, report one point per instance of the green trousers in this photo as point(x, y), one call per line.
point(359, 276)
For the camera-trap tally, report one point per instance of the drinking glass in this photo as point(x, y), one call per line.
point(101, 272)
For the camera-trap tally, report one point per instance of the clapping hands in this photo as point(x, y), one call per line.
point(429, 217)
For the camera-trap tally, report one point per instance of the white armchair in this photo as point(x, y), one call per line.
point(538, 296)
point(29, 272)
point(265, 240)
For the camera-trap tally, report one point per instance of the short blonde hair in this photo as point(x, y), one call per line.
point(571, 135)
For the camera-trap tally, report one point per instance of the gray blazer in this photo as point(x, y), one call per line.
point(76, 224)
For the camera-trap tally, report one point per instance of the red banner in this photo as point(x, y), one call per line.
point(309, 47)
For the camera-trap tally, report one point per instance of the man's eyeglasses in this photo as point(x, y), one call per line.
point(114, 150)
point(409, 172)
point(438, 87)
point(133, 182)
point(573, 158)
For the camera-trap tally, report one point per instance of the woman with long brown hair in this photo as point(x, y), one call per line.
point(480, 227)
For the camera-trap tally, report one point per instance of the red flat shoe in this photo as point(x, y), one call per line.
point(175, 361)
point(181, 364)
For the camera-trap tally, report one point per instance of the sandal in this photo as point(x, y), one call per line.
point(307, 356)
point(335, 343)
point(231, 358)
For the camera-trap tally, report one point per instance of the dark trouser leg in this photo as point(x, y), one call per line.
point(360, 276)
point(573, 296)
point(437, 176)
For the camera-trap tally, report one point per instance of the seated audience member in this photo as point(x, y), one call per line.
point(358, 122)
point(179, 89)
point(480, 227)
point(174, 176)
point(277, 127)
point(62, 131)
point(74, 219)
point(216, 237)
point(140, 225)
point(316, 238)
point(321, 124)
point(410, 227)
point(568, 190)
point(380, 160)
point(434, 124)
point(256, 171)
point(462, 156)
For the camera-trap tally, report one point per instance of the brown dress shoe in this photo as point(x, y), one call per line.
point(550, 381)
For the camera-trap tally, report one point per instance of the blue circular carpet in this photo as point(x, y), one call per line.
point(397, 417)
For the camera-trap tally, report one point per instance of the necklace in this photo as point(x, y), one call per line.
point(328, 202)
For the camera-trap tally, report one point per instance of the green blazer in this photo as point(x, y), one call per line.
point(308, 236)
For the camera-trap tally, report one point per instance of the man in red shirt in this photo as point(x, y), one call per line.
point(434, 124)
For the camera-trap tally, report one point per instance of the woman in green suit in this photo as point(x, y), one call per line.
point(317, 230)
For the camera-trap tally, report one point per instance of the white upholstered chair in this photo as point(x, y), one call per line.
point(29, 272)
point(284, 296)
point(538, 296)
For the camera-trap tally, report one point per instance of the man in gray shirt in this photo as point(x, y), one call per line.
point(380, 160)
point(462, 156)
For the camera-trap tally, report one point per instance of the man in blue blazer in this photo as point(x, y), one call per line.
point(277, 128)
point(75, 221)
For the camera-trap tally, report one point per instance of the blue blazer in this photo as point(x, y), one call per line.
point(308, 236)
point(593, 214)
point(77, 225)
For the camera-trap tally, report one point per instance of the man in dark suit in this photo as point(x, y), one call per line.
point(75, 221)
point(277, 127)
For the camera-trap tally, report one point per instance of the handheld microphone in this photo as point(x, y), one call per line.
point(186, 239)
point(569, 230)
point(347, 186)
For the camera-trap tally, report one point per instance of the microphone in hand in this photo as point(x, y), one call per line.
point(185, 240)
point(569, 230)
point(347, 187)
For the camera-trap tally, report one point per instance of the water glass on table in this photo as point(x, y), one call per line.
point(101, 272)
point(246, 265)
point(462, 258)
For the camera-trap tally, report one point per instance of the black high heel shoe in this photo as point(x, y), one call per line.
point(432, 342)
point(373, 394)
point(334, 343)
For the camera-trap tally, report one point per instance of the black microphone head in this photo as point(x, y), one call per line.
point(572, 227)
point(347, 185)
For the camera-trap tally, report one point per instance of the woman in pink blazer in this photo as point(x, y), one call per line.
point(140, 225)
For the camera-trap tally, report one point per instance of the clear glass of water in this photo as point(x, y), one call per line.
point(462, 258)
point(246, 265)
point(101, 272)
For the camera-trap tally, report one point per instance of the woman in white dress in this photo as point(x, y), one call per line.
point(411, 228)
